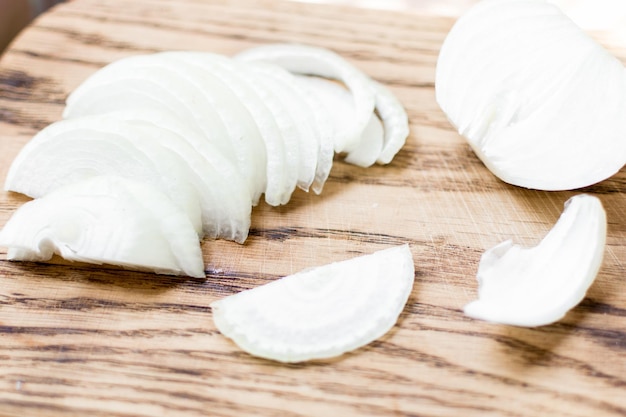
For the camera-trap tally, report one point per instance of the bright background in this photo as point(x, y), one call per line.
point(597, 15)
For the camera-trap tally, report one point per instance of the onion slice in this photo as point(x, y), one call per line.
point(121, 143)
point(312, 118)
point(194, 96)
point(540, 102)
point(395, 122)
point(310, 60)
point(106, 219)
point(537, 286)
point(367, 95)
point(72, 150)
point(320, 312)
point(299, 123)
point(281, 173)
point(338, 103)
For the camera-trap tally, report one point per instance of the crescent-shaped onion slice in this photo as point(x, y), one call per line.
point(367, 95)
point(395, 122)
point(281, 172)
point(125, 84)
point(73, 149)
point(106, 219)
point(537, 286)
point(320, 312)
point(293, 116)
point(337, 101)
point(539, 101)
point(195, 97)
point(310, 60)
point(52, 159)
point(312, 120)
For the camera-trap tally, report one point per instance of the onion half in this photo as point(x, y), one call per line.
point(541, 103)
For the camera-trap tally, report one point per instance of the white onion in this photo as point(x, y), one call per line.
point(299, 121)
point(321, 312)
point(395, 122)
point(312, 117)
point(211, 133)
point(338, 102)
point(366, 95)
point(540, 102)
point(198, 99)
point(280, 178)
point(73, 149)
point(309, 60)
point(106, 219)
point(538, 286)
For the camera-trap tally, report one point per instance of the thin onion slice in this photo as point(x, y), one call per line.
point(538, 286)
point(195, 97)
point(313, 119)
point(540, 102)
point(309, 60)
point(106, 219)
point(122, 144)
point(299, 121)
point(337, 101)
point(321, 312)
point(281, 174)
point(72, 150)
point(367, 94)
point(395, 122)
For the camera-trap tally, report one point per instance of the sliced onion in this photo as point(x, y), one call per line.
point(309, 60)
point(269, 93)
point(44, 165)
point(538, 286)
point(122, 85)
point(395, 122)
point(196, 98)
point(280, 179)
point(224, 196)
point(312, 119)
point(106, 220)
point(337, 101)
point(73, 149)
point(539, 101)
point(321, 312)
point(209, 132)
point(299, 123)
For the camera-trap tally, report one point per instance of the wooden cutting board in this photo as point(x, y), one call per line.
point(79, 340)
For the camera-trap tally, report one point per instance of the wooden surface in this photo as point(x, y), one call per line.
point(77, 340)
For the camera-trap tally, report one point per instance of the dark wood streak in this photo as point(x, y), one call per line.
point(19, 118)
point(284, 233)
point(21, 86)
point(55, 58)
point(83, 304)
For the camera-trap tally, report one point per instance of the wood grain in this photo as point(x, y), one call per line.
point(79, 340)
